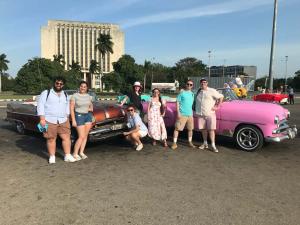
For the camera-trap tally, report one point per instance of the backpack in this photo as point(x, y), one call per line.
point(48, 92)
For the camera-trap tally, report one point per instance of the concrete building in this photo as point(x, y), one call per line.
point(76, 42)
point(233, 71)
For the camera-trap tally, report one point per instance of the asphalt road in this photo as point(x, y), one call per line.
point(117, 185)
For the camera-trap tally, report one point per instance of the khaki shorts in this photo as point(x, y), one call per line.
point(207, 122)
point(57, 129)
point(183, 121)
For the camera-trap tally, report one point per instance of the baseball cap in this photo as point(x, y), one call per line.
point(137, 84)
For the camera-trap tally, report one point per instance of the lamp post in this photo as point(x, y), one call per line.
point(272, 47)
point(209, 52)
point(285, 81)
point(152, 71)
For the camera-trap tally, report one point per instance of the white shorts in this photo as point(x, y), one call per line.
point(143, 133)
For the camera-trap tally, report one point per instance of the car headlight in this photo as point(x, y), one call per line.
point(276, 119)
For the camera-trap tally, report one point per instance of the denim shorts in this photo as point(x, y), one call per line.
point(83, 118)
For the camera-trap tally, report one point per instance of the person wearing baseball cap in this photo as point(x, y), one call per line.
point(135, 97)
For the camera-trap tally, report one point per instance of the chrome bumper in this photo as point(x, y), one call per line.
point(289, 133)
point(106, 131)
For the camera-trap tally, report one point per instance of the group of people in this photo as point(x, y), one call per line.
point(203, 104)
point(54, 108)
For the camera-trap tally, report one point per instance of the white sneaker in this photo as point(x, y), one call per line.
point(203, 146)
point(69, 158)
point(214, 148)
point(52, 159)
point(139, 147)
point(77, 157)
point(83, 156)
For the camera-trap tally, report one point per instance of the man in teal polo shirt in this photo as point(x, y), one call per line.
point(185, 101)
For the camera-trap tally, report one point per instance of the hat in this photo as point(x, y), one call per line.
point(137, 84)
point(203, 79)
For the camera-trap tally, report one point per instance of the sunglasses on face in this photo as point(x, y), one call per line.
point(59, 83)
point(189, 84)
point(203, 82)
point(130, 110)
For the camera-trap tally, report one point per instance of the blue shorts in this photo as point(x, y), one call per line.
point(83, 118)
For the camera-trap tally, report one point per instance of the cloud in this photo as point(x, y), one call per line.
point(208, 10)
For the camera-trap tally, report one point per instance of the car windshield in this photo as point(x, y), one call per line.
point(228, 93)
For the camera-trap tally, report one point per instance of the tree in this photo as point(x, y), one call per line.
point(104, 46)
point(3, 67)
point(59, 59)
point(128, 71)
point(189, 67)
point(8, 82)
point(75, 66)
point(94, 67)
point(37, 75)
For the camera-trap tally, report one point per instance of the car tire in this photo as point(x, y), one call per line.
point(20, 127)
point(248, 138)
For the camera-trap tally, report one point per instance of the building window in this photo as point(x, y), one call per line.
point(63, 42)
point(81, 47)
point(76, 33)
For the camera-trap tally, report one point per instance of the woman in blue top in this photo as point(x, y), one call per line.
point(137, 128)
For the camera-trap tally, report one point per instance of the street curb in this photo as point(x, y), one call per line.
point(12, 100)
point(107, 99)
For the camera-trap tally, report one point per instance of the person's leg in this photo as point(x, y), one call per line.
point(80, 139)
point(87, 128)
point(51, 146)
point(293, 99)
point(136, 137)
point(66, 143)
point(190, 127)
point(179, 126)
point(204, 136)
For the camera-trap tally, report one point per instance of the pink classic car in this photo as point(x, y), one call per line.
point(249, 123)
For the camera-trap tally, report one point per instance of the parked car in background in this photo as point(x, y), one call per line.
point(109, 118)
point(249, 123)
point(272, 97)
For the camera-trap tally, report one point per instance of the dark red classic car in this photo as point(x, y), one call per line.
point(109, 121)
point(272, 97)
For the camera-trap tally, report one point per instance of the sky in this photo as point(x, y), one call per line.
point(237, 32)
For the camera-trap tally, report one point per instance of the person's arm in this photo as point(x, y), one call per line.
point(72, 111)
point(164, 105)
point(68, 107)
point(135, 129)
point(124, 100)
point(41, 108)
point(91, 106)
point(149, 105)
point(219, 99)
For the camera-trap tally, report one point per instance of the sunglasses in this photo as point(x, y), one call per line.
point(59, 83)
point(189, 84)
point(130, 110)
point(204, 82)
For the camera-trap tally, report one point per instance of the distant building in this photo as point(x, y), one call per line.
point(76, 42)
point(233, 71)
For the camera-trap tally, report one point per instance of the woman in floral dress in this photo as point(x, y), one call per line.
point(156, 125)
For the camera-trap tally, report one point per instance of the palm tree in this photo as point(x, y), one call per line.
point(147, 66)
point(104, 46)
point(94, 67)
point(3, 67)
point(75, 66)
point(59, 59)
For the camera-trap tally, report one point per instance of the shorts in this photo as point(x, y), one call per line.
point(183, 121)
point(83, 118)
point(143, 133)
point(207, 122)
point(57, 129)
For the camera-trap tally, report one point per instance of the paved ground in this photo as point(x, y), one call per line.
point(118, 185)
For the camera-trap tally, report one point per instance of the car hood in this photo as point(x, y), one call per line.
point(104, 111)
point(251, 111)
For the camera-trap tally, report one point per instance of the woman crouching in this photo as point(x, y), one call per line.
point(81, 109)
point(137, 128)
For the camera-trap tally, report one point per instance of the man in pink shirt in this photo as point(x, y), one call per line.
point(207, 101)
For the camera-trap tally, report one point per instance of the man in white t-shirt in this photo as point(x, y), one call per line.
point(207, 101)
